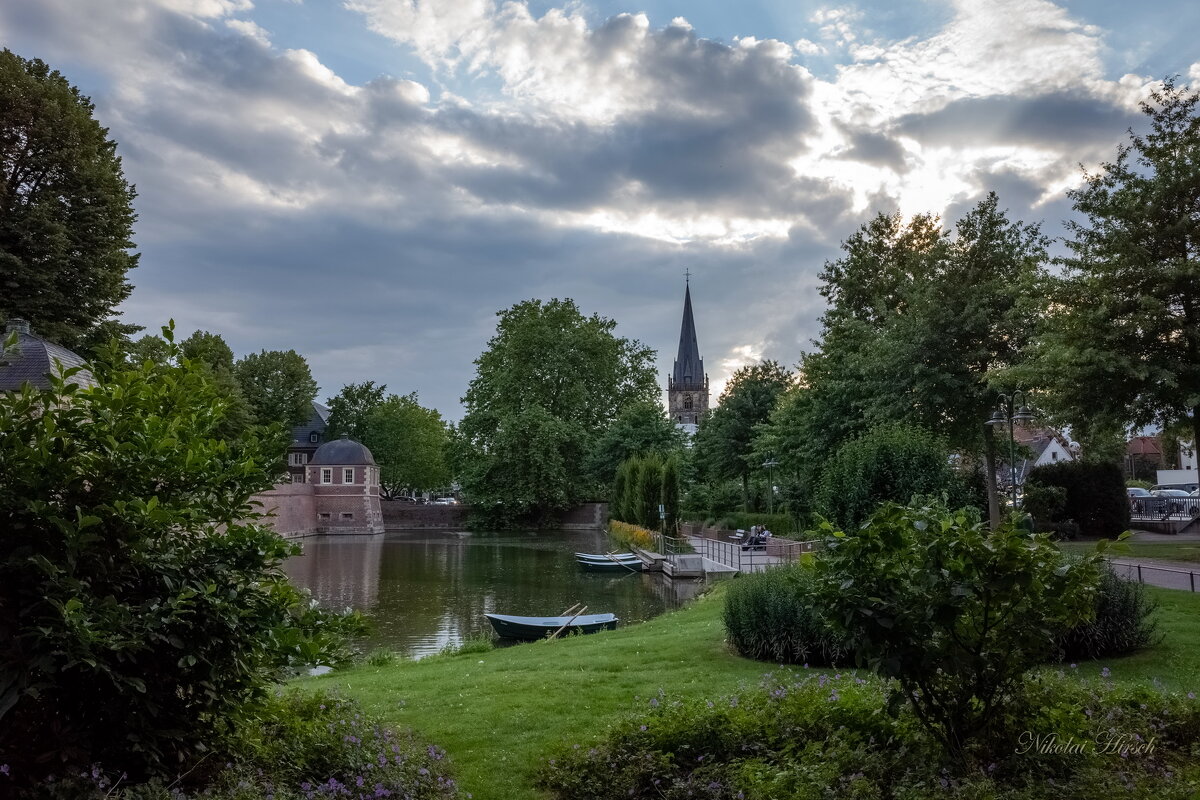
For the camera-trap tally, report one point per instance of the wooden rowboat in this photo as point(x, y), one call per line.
point(635, 565)
point(528, 628)
point(605, 556)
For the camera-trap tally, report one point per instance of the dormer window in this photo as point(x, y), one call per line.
point(314, 437)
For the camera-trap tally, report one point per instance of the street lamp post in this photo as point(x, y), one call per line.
point(1012, 409)
point(770, 464)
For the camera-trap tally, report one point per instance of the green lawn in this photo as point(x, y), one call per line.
point(497, 713)
point(1173, 551)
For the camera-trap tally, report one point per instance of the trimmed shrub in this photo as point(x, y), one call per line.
point(1095, 496)
point(670, 494)
point(1123, 621)
point(771, 616)
point(647, 490)
point(890, 463)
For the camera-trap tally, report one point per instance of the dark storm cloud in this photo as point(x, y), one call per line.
point(1058, 120)
point(872, 147)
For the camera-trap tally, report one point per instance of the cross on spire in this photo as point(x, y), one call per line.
point(687, 276)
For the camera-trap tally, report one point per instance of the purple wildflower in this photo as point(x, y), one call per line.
point(1104, 673)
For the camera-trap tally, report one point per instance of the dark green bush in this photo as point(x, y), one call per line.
point(141, 601)
point(955, 612)
point(772, 616)
point(891, 463)
point(1095, 497)
point(1123, 621)
point(806, 736)
point(296, 746)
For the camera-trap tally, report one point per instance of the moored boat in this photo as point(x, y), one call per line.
point(605, 556)
point(528, 628)
point(634, 565)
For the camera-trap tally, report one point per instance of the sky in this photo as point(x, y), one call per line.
point(369, 182)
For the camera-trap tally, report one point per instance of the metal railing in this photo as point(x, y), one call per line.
point(1164, 577)
point(726, 548)
point(1163, 508)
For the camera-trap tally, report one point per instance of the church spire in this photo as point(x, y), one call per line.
point(689, 367)
point(687, 385)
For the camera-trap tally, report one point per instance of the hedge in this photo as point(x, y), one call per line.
point(1095, 496)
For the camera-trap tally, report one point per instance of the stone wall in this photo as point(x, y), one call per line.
point(293, 507)
point(586, 517)
point(398, 515)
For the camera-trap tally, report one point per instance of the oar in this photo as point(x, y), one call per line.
point(569, 610)
point(568, 622)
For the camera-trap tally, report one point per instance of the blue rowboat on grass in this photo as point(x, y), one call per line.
point(527, 628)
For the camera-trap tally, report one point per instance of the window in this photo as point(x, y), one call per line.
point(326, 474)
point(1054, 455)
point(323, 515)
point(298, 459)
point(348, 475)
point(314, 437)
point(347, 515)
point(687, 402)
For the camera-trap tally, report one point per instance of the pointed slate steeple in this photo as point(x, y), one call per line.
point(689, 367)
point(687, 385)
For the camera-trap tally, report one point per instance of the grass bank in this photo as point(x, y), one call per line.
point(1169, 551)
point(498, 712)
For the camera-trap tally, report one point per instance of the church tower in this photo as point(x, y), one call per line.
point(687, 385)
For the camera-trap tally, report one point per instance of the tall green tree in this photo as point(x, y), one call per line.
point(559, 377)
point(726, 438)
point(66, 210)
point(640, 428)
point(278, 385)
point(921, 323)
point(409, 442)
point(1123, 345)
point(670, 494)
point(350, 408)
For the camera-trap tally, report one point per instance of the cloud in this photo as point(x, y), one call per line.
point(377, 226)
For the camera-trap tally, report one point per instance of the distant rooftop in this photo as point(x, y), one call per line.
point(33, 359)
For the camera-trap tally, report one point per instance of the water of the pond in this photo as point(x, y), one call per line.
point(425, 591)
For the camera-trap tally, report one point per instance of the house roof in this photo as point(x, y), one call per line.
point(33, 359)
point(1144, 446)
point(689, 367)
point(316, 423)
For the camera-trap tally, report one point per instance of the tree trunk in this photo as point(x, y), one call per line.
point(989, 465)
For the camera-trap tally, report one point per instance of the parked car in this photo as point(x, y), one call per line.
point(445, 501)
point(1137, 491)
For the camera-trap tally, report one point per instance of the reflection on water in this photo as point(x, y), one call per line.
point(424, 591)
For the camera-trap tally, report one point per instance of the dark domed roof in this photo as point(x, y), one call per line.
point(33, 358)
point(342, 452)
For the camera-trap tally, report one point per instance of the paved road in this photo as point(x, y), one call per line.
point(1167, 574)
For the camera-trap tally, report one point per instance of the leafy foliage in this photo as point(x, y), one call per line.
point(1122, 623)
point(278, 385)
point(294, 746)
point(776, 616)
point(1094, 495)
point(724, 443)
point(410, 444)
point(66, 210)
point(551, 381)
point(670, 494)
point(349, 409)
point(647, 490)
point(641, 428)
point(920, 322)
point(811, 736)
point(1126, 315)
point(891, 463)
point(954, 613)
point(141, 602)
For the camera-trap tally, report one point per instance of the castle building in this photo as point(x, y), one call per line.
point(31, 359)
point(345, 487)
point(687, 385)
